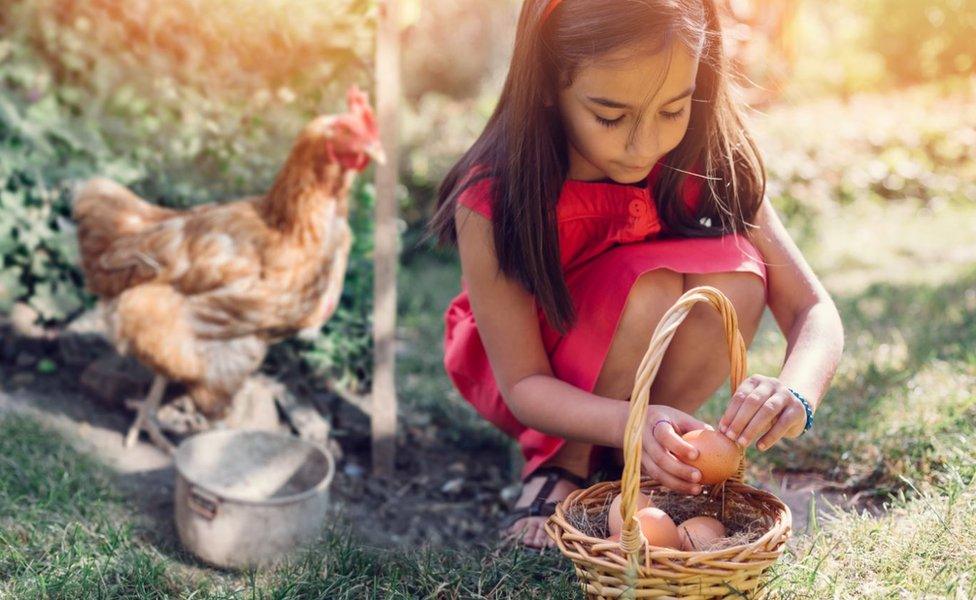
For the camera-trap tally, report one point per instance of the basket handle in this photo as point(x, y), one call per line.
point(630, 538)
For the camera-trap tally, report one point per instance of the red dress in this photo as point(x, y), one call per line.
point(608, 237)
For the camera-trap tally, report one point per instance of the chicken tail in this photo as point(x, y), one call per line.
point(106, 214)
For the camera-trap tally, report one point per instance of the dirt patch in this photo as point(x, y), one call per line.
point(808, 494)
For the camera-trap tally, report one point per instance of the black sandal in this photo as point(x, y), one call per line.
point(540, 507)
point(608, 470)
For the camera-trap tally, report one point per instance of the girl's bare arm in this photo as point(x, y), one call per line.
point(763, 410)
point(803, 309)
point(507, 323)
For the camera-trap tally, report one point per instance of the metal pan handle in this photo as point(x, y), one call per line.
point(203, 503)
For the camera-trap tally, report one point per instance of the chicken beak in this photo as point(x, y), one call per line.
point(375, 152)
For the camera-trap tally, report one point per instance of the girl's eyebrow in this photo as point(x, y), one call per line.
point(615, 104)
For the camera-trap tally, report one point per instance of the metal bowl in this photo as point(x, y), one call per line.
point(246, 499)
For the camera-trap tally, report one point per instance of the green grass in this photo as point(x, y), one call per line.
point(64, 532)
point(921, 549)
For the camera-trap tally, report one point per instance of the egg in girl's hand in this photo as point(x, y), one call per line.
point(658, 528)
point(718, 456)
point(698, 533)
point(615, 522)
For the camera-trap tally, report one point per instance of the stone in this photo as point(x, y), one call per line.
point(25, 360)
point(253, 407)
point(23, 319)
point(453, 486)
point(353, 470)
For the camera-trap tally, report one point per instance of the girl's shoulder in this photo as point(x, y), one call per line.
point(476, 191)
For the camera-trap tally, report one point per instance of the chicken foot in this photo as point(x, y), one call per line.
point(146, 417)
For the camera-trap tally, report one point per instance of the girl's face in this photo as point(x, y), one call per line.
point(599, 110)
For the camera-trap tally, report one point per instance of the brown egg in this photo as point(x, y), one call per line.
point(658, 528)
point(614, 521)
point(718, 457)
point(698, 533)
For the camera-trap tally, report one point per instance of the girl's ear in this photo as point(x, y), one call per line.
point(549, 98)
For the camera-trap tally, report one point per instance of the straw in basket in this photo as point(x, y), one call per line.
point(631, 568)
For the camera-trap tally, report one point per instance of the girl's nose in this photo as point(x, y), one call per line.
point(644, 143)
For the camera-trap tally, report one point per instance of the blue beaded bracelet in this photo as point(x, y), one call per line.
point(806, 406)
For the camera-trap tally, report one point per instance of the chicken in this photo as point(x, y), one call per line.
point(198, 295)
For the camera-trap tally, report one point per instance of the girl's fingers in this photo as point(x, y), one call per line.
point(666, 436)
point(672, 465)
point(667, 479)
point(764, 418)
point(740, 394)
point(749, 407)
point(779, 429)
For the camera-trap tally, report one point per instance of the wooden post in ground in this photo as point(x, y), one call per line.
point(386, 247)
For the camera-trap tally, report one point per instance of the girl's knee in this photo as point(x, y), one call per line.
point(746, 291)
point(650, 297)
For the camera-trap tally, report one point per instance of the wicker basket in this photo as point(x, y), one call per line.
point(632, 569)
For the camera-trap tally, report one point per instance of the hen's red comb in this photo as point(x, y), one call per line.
point(358, 103)
point(356, 98)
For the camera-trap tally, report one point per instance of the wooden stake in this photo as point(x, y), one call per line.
point(386, 246)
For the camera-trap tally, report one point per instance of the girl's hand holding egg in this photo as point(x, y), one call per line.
point(763, 406)
point(666, 456)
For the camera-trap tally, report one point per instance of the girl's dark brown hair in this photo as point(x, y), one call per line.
point(524, 150)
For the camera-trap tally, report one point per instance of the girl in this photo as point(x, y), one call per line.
point(614, 174)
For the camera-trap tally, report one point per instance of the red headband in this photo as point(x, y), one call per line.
point(551, 7)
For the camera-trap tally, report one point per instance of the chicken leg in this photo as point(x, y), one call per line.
point(145, 417)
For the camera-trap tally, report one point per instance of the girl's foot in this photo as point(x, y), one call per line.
point(541, 491)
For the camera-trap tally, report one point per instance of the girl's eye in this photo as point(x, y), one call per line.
point(614, 122)
point(673, 115)
point(608, 122)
